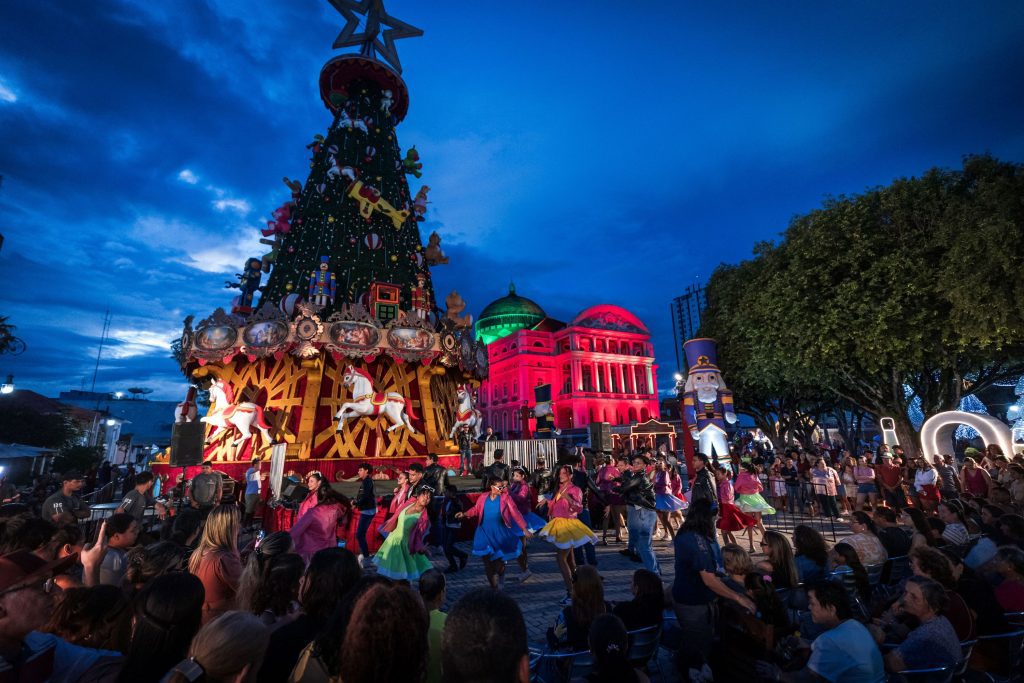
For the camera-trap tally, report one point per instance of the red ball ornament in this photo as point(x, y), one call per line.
point(373, 241)
point(352, 241)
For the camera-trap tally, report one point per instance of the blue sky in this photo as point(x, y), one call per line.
point(590, 151)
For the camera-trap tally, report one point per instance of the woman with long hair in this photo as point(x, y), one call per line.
point(314, 481)
point(608, 641)
point(386, 637)
point(229, 648)
point(952, 515)
point(573, 622)
point(318, 528)
point(864, 474)
point(926, 484)
point(522, 495)
point(403, 555)
point(274, 597)
point(145, 563)
point(216, 561)
point(564, 531)
point(778, 562)
point(748, 495)
point(273, 546)
point(496, 540)
point(844, 559)
point(810, 554)
point(665, 503)
point(648, 603)
point(922, 530)
point(167, 614)
point(848, 464)
point(731, 518)
point(615, 510)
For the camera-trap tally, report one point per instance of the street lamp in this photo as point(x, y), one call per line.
point(111, 422)
point(8, 386)
point(118, 394)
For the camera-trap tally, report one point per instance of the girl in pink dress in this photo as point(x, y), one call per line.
point(314, 480)
point(665, 501)
point(748, 495)
point(564, 531)
point(730, 517)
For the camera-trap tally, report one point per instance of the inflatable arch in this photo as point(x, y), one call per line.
point(937, 431)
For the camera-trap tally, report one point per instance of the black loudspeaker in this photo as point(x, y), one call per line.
point(187, 443)
point(600, 436)
point(293, 491)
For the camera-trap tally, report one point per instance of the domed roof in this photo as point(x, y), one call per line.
point(609, 317)
point(506, 315)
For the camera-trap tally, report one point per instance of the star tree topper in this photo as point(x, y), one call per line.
point(370, 40)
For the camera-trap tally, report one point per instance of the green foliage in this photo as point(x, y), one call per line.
point(8, 342)
point(79, 458)
point(35, 429)
point(914, 284)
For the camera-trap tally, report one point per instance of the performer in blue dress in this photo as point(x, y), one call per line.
point(495, 541)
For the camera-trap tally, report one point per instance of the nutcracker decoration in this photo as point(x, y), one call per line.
point(248, 283)
point(322, 286)
point(420, 297)
point(707, 403)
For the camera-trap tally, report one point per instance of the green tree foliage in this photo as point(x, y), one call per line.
point(8, 342)
point(26, 427)
point(915, 284)
point(78, 457)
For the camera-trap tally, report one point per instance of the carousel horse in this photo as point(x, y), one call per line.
point(366, 402)
point(241, 416)
point(466, 415)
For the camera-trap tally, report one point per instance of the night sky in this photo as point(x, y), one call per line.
point(590, 151)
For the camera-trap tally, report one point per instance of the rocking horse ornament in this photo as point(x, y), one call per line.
point(466, 415)
point(229, 415)
point(367, 402)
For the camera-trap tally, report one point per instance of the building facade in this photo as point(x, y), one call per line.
point(686, 311)
point(600, 366)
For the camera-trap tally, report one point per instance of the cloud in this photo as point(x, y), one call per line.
point(7, 94)
point(239, 206)
point(187, 176)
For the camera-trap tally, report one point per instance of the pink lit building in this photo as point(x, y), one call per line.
point(600, 365)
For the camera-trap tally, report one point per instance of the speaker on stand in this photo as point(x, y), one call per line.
point(187, 441)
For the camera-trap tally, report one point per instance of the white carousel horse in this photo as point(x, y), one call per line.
point(241, 416)
point(466, 415)
point(186, 410)
point(365, 401)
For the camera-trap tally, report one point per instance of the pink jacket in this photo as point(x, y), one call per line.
point(725, 494)
point(606, 477)
point(419, 532)
point(306, 505)
point(566, 505)
point(748, 483)
point(522, 496)
point(316, 530)
point(400, 499)
point(509, 510)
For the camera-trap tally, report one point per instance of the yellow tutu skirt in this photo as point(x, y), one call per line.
point(567, 533)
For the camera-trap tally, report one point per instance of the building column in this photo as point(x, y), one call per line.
point(632, 378)
point(650, 380)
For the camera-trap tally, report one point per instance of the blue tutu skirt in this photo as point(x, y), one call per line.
point(495, 541)
point(666, 502)
point(534, 523)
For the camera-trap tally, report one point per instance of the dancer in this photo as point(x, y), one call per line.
point(403, 555)
point(522, 496)
point(730, 517)
point(319, 528)
point(314, 480)
point(366, 503)
point(495, 541)
point(564, 531)
point(451, 507)
point(607, 477)
point(665, 502)
point(748, 489)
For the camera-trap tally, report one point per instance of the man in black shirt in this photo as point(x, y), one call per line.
point(64, 507)
point(638, 493)
point(497, 469)
point(138, 499)
point(894, 539)
point(436, 477)
point(703, 487)
point(366, 503)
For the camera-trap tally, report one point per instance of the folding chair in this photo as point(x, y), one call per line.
point(643, 646)
point(939, 674)
point(1014, 669)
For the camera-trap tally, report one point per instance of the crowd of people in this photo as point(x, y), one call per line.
point(187, 595)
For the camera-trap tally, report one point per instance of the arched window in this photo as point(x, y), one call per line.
point(645, 414)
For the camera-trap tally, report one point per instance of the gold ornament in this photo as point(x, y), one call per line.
point(330, 219)
point(289, 287)
point(394, 258)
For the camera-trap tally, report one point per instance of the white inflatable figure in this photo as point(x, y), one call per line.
point(466, 415)
point(226, 414)
point(707, 402)
point(366, 402)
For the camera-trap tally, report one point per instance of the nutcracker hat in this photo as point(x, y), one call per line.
point(701, 355)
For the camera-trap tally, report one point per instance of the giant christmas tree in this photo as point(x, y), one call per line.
point(346, 355)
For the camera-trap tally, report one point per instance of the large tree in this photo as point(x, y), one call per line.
point(911, 286)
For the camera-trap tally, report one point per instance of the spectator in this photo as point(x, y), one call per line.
point(1009, 563)
point(207, 489)
point(696, 584)
point(846, 652)
point(974, 480)
point(922, 531)
point(952, 515)
point(791, 476)
point(810, 554)
point(433, 591)
point(485, 640)
point(229, 648)
point(893, 538)
point(825, 481)
point(949, 480)
point(778, 562)
point(122, 532)
point(864, 474)
point(64, 507)
point(330, 576)
point(890, 483)
point(926, 483)
point(253, 480)
point(184, 530)
point(647, 605)
point(868, 546)
point(932, 644)
point(935, 565)
point(386, 620)
point(96, 617)
point(166, 613)
point(216, 561)
point(274, 597)
point(272, 546)
point(609, 644)
point(145, 563)
point(573, 623)
point(846, 563)
point(26, 533)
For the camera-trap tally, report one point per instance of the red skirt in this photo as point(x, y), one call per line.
point(929, 492)
point(731, 518)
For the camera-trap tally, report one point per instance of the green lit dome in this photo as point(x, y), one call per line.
point(506, 315)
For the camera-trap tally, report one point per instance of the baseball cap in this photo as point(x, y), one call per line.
point(21, 569)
